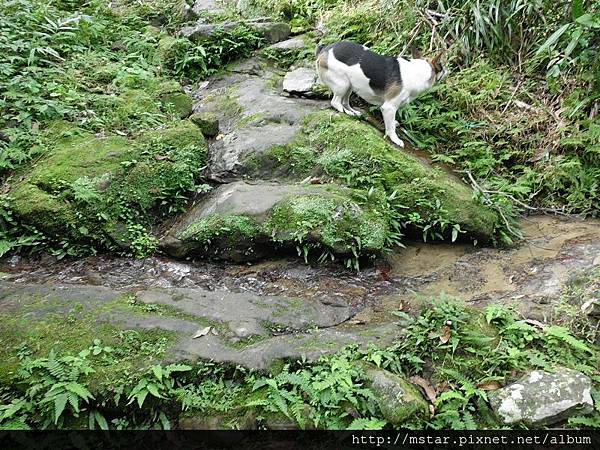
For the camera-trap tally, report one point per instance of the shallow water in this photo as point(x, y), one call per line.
point(554, 251)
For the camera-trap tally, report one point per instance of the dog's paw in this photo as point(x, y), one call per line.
point(352, 112)
point(396, 140)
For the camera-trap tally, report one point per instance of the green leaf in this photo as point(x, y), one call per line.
point(100, 420)
point(158, 372)
point(554, 37)
point(589, 21)
point(59, 406)
point(80, 390)
point(153, 389)
point(141, 397)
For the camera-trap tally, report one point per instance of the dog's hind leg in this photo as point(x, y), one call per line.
point(341, 88)
point(346, 104)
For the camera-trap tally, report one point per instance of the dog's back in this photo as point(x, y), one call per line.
point(371, 75)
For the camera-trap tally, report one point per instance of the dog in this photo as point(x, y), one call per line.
point(385, 81)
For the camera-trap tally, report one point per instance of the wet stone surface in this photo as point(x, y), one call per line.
point(285, 308)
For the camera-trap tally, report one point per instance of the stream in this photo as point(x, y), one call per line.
point(315, 309)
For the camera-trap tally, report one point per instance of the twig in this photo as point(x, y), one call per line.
point(513, 95)
point(519, 202)
point(491, 203)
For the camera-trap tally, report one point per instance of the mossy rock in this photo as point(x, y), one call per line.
point(208, 122)
point(354, 153)
point(398, 399)
point(89, 189)
point(245, 221)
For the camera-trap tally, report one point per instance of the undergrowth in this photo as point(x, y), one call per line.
point(463, 354)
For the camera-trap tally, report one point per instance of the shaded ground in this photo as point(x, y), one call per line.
point(259, 313)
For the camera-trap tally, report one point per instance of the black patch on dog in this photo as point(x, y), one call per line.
point(382, 71)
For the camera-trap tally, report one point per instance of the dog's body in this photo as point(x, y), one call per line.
point(391, 83)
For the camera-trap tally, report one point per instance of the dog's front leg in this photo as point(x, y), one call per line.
point(388, 110)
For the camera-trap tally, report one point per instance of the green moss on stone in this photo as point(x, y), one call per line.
point(355, 153)
point(94, 189)
point(334, 221)
point(231, 228)
point(208, 122)
point(178, 103)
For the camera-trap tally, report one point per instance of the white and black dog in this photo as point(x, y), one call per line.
point(385, 81)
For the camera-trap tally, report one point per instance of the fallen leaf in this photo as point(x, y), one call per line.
point(161, 157)
point(536, 323)
point(432, 410)
point(426, 386)
point(219, 137)
point(489, 386)
point(442, 387)
point(356, 322)
point(447, 334)
point(5, 189)
point(202, 332)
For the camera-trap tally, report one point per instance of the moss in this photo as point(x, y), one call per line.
point(354, 153)
point(178, 103)
point(91, 189)
point(334, 221)
point(398, 399)
point(208, 122)
point(69, 334)
point(231, 228)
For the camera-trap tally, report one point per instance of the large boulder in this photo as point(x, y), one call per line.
point(245, 221)
point(264, 135)
point(543, 398)
point(106, 190)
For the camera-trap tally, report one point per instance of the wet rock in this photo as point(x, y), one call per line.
point(243, 221)
point(300, 81)
point(309, 345)
point(543, 398)
point(399, 400)
point(246, 308)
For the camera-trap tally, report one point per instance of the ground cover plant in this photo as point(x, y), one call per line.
point(80, 388)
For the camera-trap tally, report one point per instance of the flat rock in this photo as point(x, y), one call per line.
point(543, 398)
point(300, 81)
point(309, 345)
point(235, 310)
point(247, 310)
point(295, 43)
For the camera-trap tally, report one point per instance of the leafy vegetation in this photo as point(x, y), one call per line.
point(463, 353)
point(519, 111)
point(109, 73)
